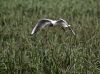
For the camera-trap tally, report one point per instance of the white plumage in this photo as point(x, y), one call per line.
point(48, 22)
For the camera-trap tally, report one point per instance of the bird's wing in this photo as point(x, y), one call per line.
point(65, 24)
point(40, 24)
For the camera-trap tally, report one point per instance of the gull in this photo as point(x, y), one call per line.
point(48, 22)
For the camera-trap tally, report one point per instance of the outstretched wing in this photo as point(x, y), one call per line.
point(40, 24)
point(65, 24)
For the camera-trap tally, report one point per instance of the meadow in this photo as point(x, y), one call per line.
point(51, 50)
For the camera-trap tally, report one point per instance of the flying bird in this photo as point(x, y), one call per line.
point(48, 22)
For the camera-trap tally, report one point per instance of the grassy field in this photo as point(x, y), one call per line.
point(55, 51)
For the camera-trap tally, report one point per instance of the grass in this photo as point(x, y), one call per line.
point(52, 52)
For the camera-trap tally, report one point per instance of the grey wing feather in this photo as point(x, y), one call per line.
point(65, 24)
point(40, 24)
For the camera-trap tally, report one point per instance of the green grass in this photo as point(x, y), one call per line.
point(55, 51)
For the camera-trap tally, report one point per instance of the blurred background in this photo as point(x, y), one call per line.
point(51, 50)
